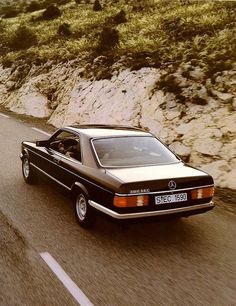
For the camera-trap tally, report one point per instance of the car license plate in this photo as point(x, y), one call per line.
point(171, 198)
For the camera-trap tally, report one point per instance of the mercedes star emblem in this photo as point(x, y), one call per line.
point(172, 184)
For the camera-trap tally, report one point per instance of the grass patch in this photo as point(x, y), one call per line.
point(155, 33)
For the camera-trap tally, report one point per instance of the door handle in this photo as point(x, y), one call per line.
point(56, 160)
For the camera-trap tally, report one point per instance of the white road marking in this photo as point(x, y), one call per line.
point(3, 115)
point(66, 280)
point(41, 131)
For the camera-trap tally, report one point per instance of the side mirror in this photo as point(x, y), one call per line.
point(42, 143)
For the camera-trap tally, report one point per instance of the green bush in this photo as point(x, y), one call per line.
point(2, 26)
point(47, 3)
point(9, 12)
point(6, 62)
point(2, 36)
point(120, 17)
point(179, 29)
point(97, 6)
point(169, 83)
point(33, 6)
point(51, 12)
point(64, 29)
point(109, 38)
point(23, 38)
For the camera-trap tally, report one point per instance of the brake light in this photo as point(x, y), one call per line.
point(130, 201)
point(202, 193)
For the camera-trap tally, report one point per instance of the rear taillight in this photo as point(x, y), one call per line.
point(202, 193)
point(130, 201)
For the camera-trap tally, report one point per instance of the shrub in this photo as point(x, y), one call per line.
point(109, 38)
point(23, 38)
point(10, 12)
point(180, 29)
point(142, 5)
point(78, 1)
point(7, 62)
point(47, 3)
point(198, 100)
point(51, 12)
point(169, 83)
point(120, 17)
point(97, 6)
point(33, 6)
point(61, 2)
point(64, 29)
point(2, 26)
point(184, 2)
point(2, 36)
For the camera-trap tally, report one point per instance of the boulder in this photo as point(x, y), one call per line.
point(222, 172)
point(180, 149)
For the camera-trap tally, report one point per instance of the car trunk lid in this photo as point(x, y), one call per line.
point(157, 178)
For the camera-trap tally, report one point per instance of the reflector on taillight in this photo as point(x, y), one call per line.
point(130, 201)
point(202, 193)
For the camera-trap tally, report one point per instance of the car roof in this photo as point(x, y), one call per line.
point(100, 130)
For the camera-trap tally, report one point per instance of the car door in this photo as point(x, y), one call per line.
point(65, 156)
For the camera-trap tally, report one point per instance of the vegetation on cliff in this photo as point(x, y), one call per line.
point(154, 33)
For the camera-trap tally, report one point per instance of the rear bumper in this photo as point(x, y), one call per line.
point(185, 211)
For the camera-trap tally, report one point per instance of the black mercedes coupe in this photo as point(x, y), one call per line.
point(124, 172)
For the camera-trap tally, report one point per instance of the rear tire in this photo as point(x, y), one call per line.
point(28, 174)
point(84, 213)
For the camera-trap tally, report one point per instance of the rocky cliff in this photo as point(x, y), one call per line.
point(194, 114)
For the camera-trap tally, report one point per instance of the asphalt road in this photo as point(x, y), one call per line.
point(186, 262)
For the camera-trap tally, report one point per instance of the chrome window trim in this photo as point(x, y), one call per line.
point(121, 167)
point(77, 175)
point(95, 152)
point(72, 132)
point(66, 157)
point(165, 191)
point(149, 213)
point(57, 153)
point(51, 177)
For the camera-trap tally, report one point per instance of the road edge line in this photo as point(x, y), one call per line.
point(74, 290)
point(40, 131)
point(3, 115)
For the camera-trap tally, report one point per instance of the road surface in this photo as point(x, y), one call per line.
point(187, 262)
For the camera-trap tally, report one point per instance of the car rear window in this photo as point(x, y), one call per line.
point(132, 151)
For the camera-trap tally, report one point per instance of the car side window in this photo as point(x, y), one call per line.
point(74, 151)
point(67, 144)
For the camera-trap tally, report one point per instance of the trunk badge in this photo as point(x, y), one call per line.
point(172, 185)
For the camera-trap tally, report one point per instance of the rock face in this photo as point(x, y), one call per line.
point(196, 116)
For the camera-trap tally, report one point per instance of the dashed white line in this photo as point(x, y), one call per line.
point(41, 131)
point(66, 280)
point(3, 115)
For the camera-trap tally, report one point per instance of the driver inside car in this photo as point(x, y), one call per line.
point(71, 151)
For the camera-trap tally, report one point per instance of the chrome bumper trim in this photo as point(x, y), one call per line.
point(165, 191)
point(149, 213)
